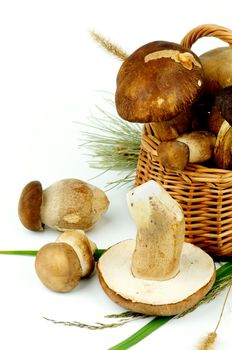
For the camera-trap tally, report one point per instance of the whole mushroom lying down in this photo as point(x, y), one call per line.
point(65, 205)
point(61, 265)
point(158, 274)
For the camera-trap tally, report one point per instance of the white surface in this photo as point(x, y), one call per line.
point(50, 71)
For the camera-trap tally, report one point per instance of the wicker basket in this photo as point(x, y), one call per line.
point(205, 194)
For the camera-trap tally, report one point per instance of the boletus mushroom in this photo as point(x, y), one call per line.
point(61, 265)
point(58, 267)
point(193, 147)
point(83, 247)
point(66, 204)
point(217, 65)
point(158, 274)
point(158, 84)
point(220, 122)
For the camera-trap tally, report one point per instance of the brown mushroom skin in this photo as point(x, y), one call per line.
point(29, 205)
point(58, 267)
point(171, 129)
point(217, 65)
point(158, 81)
point(174, 155)
point(223, 103)
point(214, 121)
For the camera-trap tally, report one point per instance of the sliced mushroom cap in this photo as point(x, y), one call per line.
point(223, 147)
point(29, 205)
point(58, 267)
point(158, 81)
point(165, 298)
point(83, 247)
point(217, 65)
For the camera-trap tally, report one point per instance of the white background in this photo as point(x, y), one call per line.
point(50, 76)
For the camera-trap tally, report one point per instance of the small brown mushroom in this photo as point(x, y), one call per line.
point(58, 267)
point(158, 274)
point(66, 204)
point(174, 155)
point(194, 147)
point(83, 247)
point(158, 83)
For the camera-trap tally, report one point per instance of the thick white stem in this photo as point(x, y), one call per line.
point(160, 232)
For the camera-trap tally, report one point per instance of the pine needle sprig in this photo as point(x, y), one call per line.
point(113, 144)
point(109, 46)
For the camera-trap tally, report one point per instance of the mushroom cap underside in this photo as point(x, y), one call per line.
point(163, 298)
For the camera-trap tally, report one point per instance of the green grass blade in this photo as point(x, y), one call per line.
point(224, 270)
point(97, 253)
point(141, 333)
point(19, 252)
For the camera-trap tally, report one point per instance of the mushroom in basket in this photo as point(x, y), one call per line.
point(220, 123)
point(159, 84)
point(156, 274)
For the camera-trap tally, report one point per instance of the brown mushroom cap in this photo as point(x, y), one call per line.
point(58, 267)
point(29, 206)
point(174, 155)
point(158, 81)
point(164, 298)
point(217, 65)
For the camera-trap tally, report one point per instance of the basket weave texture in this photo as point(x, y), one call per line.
point(205, 194)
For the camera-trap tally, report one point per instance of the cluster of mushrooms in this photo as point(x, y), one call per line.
point(73, 207)
point(155, 274)
point(188, 100)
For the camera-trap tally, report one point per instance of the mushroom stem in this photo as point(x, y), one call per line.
point(170, 129)
point(160, 232)
point(194, 147)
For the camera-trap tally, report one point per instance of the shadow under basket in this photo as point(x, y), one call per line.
point(205, 195)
